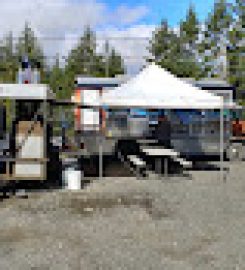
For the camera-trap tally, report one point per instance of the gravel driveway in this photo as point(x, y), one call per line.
point(125, 223)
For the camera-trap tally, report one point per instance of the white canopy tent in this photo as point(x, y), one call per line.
point(156, 88)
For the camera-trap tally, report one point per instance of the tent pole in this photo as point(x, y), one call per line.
point(100, 142)
point(100, 159)
point(222, 143)
point(45, 137)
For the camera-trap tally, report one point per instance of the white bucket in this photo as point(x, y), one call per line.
point(65, 177)
point(73, 179)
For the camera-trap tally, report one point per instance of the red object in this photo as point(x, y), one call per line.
point(103, 119)
point(238, 128)
point(162, 118)
point(77, 111)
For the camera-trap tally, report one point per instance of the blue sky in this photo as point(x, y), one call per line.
point(172, 10)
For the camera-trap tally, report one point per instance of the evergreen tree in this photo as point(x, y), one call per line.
point(56, 79)
point(189, 37)
point(83, 59)
point(189, 29)
point(171, 51)
point(8, 68)
point(161, 46)
point(213, 47)
point(236, 48)
point(28, 45)
point(8, 63)
point(113, 63)
point(76, 61)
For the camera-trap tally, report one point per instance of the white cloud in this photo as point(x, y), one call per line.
point(66, 19)
point(131, 43)
point(59, 16)
point(127, 15)
point(50, 17)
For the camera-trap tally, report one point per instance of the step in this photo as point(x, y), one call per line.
point(136, 160)
point(183, 162)
point(121, 157)
point(149, 141)
point(158, 151)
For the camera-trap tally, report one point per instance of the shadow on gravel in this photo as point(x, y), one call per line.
point(81, 204)
point(84, 206)
point(205, 166)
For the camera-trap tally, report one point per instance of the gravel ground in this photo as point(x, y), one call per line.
point(124, 223)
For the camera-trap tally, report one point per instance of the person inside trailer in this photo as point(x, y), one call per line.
point(163, 130)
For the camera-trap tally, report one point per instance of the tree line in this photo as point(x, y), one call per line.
point(214, 48)
point(83, 59)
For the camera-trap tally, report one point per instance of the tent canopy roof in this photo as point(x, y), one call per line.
point(155, 87)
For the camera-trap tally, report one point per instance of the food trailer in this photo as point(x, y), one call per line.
point(89, 122)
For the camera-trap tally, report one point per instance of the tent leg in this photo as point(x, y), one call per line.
point(101, 159)
point(158, 166)
point(166, 167)
point(222, 144)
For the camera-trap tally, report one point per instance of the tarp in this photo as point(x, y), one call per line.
point(155, 87)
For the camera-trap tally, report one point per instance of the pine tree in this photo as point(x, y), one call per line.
point(113, 62)
point(161, 46)
point(171, 52)
point(236, 48)
point(8, 68)
point(189, 29)
point(8, 63)
point(83, 59)
point(56, 79)
point(28, 45)
point(215, 40)
point(189, 37)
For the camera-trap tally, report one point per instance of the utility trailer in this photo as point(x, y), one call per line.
point(26, 152)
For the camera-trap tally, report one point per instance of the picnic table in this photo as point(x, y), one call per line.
point(160, 152)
